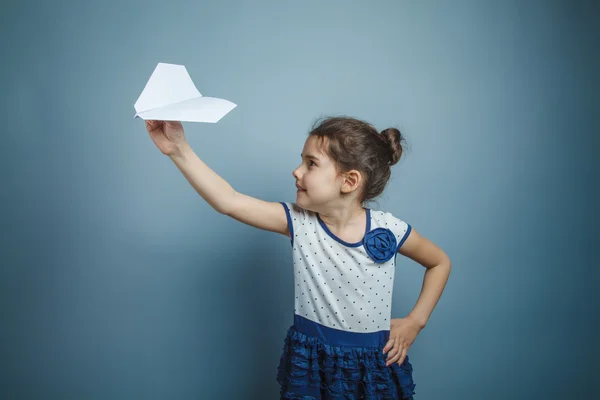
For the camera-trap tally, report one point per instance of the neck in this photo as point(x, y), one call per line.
point(342, 217)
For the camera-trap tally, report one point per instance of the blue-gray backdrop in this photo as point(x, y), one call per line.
point(119, 282)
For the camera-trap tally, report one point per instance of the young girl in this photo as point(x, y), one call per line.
point(343, 343)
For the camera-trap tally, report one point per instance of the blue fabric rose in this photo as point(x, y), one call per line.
point(380, 244)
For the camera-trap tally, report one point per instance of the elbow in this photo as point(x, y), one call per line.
point(226, 207)
point(443, 263)
point(446, 261)
point(222, 209)
point(448, 264)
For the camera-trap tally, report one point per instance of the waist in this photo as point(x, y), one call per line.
point(339, 337)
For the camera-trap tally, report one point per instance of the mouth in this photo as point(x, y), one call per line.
point(300, 188)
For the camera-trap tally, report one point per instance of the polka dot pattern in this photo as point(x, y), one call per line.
point(337, 285)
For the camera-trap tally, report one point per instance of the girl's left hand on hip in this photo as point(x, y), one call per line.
point(403, 332)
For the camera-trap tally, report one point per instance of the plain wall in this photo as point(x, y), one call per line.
point(119, 282)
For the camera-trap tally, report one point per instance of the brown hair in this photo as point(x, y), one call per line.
point(356, 144)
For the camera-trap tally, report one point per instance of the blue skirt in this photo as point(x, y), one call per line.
point(322, 363)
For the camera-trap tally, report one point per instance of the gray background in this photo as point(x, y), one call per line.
point(119, 282)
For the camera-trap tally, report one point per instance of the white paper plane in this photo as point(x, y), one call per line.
point(170, 95)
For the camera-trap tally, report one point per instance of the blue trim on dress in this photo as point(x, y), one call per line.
point(337, 337)
point(357, 244)
point(289, 221)
point(404, 237)
point(408, 230)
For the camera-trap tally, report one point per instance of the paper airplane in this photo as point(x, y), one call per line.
point(170, 95)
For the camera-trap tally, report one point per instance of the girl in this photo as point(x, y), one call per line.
point(343, 343)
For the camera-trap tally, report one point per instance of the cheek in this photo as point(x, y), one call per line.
point(321, 181)
point(307, 180)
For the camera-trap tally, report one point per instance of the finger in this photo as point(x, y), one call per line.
point(154, 125)
point(392, 353)
point(403, 355)
point(173, 124)
point(388, 346)
point(151, 124)
point(395, 358)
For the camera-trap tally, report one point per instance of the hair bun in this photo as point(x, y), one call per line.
point(394, 139)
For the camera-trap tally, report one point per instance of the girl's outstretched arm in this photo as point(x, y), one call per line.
point(218, 193)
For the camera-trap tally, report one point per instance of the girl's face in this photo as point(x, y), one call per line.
point(317, 180)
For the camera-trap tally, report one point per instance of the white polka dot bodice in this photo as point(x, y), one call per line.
point(336, 283)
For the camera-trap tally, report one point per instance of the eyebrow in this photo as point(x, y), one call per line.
point(309, 156)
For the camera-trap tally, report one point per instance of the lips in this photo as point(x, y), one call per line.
point(300, 187)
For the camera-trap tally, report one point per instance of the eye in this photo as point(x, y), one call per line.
point(311, 163)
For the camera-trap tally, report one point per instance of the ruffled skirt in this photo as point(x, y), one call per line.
point(311, 368)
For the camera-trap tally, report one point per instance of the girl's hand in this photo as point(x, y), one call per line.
point(403, 332)
point(167, 135)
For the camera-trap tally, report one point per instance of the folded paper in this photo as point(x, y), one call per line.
point(170, 95)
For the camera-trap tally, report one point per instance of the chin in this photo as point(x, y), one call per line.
point(307, 205)
point(301, 201)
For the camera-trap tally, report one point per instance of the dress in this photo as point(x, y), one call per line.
point(342, 312)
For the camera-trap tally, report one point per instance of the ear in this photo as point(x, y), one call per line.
point(351, 181)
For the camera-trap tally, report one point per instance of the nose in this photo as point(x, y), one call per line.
point(296, 173)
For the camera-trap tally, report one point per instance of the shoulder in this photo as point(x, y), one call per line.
point(296, 211)
point(387, 220)
point(384, 218)
point(298, 216)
